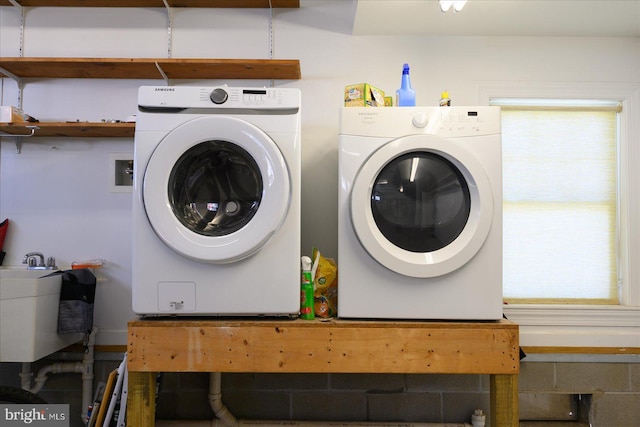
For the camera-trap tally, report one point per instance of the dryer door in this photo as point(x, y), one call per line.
point(421, 206)
point(216, 189)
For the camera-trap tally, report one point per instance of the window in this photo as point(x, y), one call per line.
point(560, 181)
point(598, 305)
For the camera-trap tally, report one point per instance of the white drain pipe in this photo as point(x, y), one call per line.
point(224, 418)
point(53, 368)
point(87, 375)
point(215, 400)
point(85, 368)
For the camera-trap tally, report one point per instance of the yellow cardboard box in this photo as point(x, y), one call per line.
point(363, 95)
point(9, 114)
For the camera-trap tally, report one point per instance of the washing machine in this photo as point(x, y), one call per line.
point(420, 213)
point(216, 204)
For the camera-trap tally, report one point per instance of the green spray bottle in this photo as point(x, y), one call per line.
point(306, 290)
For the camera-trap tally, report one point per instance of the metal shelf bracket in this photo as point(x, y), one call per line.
point(21, 51)
point(19, 137)
point(169, 28)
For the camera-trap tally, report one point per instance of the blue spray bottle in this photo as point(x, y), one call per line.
point(405, 96)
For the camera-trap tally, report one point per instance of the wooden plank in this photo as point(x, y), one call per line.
point(71, 129)
point(91, 68)
point(158, 3)
point(86, 3)
point(106, 397)
point(335, 346)
point(280, 69)
point(504, 400)
point(147, 68)
point(141, 407)
point(235, 3)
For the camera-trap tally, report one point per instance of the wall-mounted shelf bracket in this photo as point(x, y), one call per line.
point(20, 8)
point(19, 81)
point(19, 137)
point(11, 76)
point(169, 27)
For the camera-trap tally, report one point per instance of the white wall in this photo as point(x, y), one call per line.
point(56, 194)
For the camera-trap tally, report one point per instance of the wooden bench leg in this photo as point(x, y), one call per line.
point(141, 404)
point(504, 401)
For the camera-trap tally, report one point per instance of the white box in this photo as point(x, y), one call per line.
point(9, 114)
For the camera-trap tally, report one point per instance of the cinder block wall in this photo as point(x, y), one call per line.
point(614, 388)
point(613, 391)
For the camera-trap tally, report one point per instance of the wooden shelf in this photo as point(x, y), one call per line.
point(157, 3)
point(70, 129)
point(149, 68)
point(336, 346)
point(136, 68)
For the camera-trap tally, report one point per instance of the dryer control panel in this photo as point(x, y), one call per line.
point(218, 97)
point(448, 122)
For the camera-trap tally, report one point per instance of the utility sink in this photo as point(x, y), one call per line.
point(29, 315)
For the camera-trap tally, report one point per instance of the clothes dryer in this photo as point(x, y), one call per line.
point(420, 213)
point(216, 206)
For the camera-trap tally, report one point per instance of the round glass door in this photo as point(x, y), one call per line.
point(216, 188)
point(421, 206)
point(420, 202)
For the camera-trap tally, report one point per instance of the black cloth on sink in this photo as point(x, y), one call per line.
point(77, 296)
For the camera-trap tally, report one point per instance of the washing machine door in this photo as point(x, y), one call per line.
point(421, 205)
point(216, 189)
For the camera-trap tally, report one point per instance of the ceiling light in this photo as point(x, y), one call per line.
point(445, 5)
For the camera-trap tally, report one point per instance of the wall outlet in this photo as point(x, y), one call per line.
point(121, 172)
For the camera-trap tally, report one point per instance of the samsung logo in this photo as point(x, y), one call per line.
point(165, 89)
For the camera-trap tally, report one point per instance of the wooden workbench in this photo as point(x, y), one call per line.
point(336, 346)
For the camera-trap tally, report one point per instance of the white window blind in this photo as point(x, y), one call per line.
point(560, 186)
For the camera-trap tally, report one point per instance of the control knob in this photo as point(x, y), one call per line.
point(219, 96)
point(420, 120)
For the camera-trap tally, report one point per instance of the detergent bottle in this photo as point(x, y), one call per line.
point(445, 101)
point(405, 96)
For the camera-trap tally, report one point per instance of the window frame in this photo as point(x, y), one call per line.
point(565, 325)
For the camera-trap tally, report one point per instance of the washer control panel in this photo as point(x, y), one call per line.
point(222, 97)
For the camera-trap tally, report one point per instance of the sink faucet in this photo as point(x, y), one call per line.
point(31, 259)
